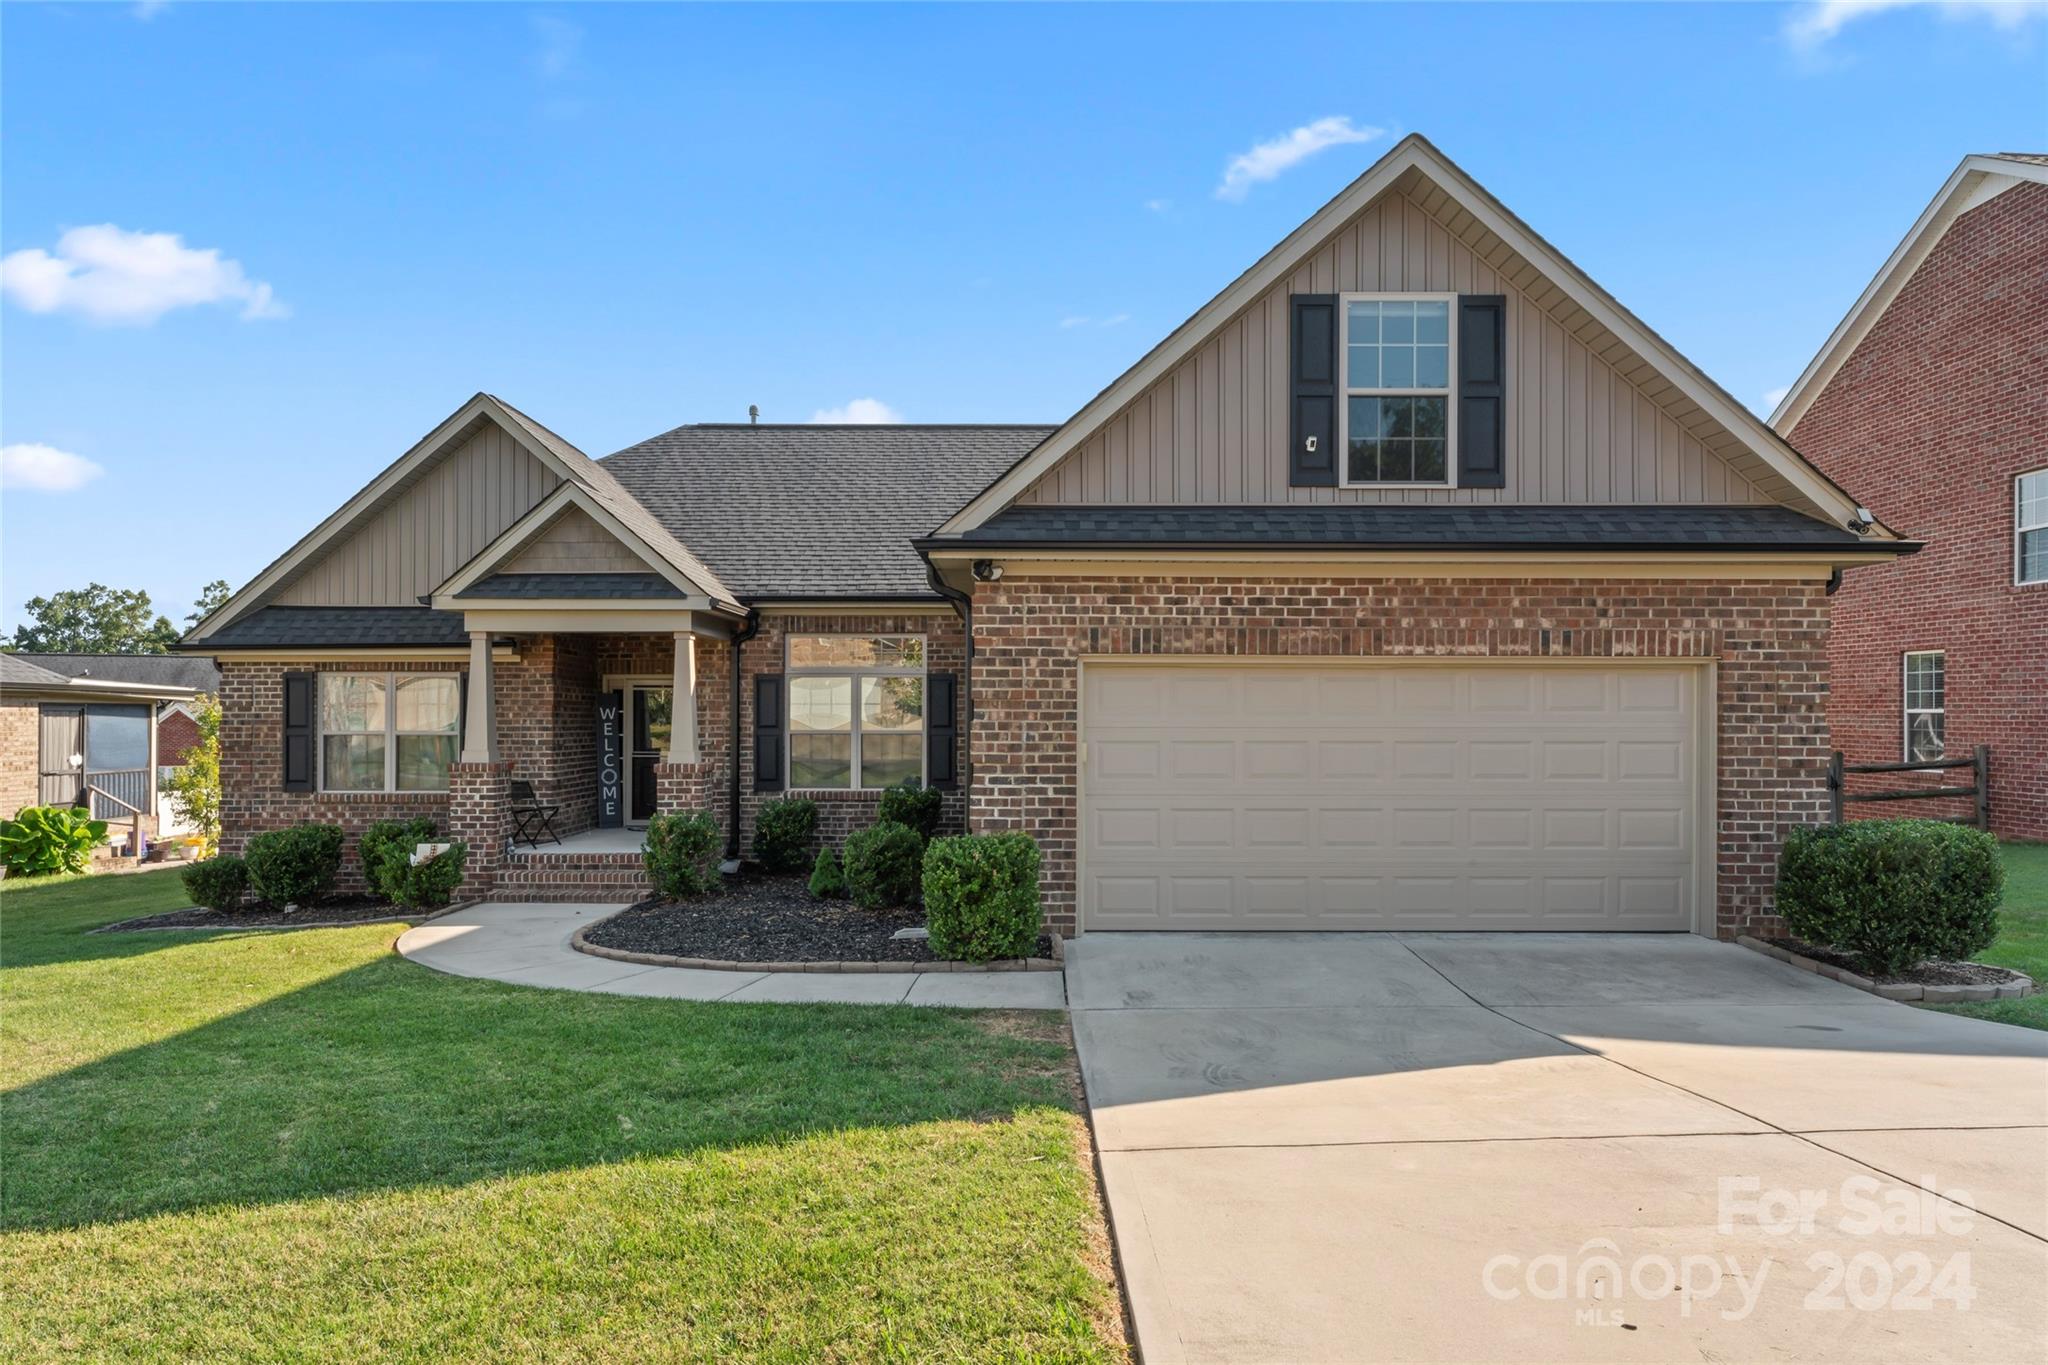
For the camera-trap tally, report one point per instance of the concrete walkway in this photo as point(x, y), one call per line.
point(1465, 1147)
point(528, 945)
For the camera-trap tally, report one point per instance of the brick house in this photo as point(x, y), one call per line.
point(1931, 401)
point(1412, 582)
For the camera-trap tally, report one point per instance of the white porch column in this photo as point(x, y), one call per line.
point(682, 726)
point(480, 724)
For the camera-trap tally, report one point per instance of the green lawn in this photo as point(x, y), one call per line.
point(290, 1146)
point(2022, 937)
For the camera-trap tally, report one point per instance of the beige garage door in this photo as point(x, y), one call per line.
point(1389, 797)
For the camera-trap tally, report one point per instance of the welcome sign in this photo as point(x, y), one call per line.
point(611, 760)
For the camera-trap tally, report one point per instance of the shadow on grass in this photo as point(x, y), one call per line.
point(385, 1077)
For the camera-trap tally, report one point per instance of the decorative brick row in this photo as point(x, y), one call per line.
point(1896, 990)
point(715, 964)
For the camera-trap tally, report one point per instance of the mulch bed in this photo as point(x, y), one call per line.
point(334, 910)
point(761, 918)
point(1929, 973)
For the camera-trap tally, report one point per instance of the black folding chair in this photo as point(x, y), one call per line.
point(530, 817)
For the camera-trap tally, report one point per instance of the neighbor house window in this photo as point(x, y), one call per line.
point(1397, 389)
point(388, 732)
point(2030, 527)
point(1926, 694)
point(856, 710)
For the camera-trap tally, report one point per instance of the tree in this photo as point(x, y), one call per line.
point(95, 619)
point(194, 788)
point(212, 598)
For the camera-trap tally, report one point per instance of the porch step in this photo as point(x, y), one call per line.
point(570, 876)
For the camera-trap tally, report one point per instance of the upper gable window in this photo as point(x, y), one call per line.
point(1397, 410)
point(2030, 527)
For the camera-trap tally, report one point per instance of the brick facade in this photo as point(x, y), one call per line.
point(20, 755)
point(175, 733)
point(546, 708)
point(1768, 639)
point(1929, 420)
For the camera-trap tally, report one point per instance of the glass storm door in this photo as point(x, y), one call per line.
point(648, 710)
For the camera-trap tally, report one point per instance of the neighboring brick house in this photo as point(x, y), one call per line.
point(1931, 401)
point(1412, 583)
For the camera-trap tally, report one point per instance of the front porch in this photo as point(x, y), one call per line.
point(591, 865)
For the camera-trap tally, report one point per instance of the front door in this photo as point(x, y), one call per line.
point(646, 742)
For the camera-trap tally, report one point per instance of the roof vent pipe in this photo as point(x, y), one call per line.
point(753, 414)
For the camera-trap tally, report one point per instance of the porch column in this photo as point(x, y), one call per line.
point(682, 729)
point(480, 724)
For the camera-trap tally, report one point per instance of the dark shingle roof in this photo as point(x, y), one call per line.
point(1373, 526)
point(17, 671)
point(147, 670)
point(359, 627)
point(543, 585)
point(815, 511)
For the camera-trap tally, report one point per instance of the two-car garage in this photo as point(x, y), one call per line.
point(1293, 795)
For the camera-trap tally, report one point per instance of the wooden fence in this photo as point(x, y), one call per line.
point(1979, 764)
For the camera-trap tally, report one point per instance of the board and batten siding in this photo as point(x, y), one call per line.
point(1215, 430)
point(428, 529)
point(574, 543)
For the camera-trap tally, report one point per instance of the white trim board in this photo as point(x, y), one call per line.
point(1976, 181)
point(1415, 153)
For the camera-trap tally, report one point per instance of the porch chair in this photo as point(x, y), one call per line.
point(531, 818)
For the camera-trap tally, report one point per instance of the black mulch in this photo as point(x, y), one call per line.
point(333, 910)
point(1928, 973)
point(762, 918)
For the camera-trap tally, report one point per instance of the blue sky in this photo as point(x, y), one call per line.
point(622, 218)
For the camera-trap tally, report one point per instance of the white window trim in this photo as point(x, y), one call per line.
point(391, 731)
point(2020, 528)
point(1345, 392)
point(1907, 710)
point(792, 671)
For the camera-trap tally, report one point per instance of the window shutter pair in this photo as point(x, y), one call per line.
point(941, 731)
point(1479, 387)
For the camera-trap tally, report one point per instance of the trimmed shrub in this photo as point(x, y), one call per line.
point(428, 885)
point(389, 845)
point(827, 881)
point(218, 883)
point(782, 833)
point(884, 865)
point(908, 803)
point(981, 896)
point(1892, 892)
point(681, 853)
point(45, 839)
point(292, 866)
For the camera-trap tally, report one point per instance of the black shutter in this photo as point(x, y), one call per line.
point(1482, 391)
point(941, 732)
point(461, 711)
point(1312, 371)
point(298, 732)
point(768, 731)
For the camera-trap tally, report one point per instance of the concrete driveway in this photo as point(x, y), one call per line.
point(1362, 1147)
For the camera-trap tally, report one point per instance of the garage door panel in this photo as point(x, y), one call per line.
point(1404, 797)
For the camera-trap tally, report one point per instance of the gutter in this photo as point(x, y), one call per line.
point(732, 824)
point(1025, 547)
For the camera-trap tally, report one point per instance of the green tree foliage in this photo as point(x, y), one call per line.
point(195, 788)
point(95, 619)
point(211, 598)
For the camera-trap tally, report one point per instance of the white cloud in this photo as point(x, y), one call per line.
point(861, 412)
point(44, 469)
point(146, 10)
point(1811, 26)
point(108, 274)
point(1158, 205)
point(1083, 320)
point(561, 44)
point(1775, 397)
point(1267, 160)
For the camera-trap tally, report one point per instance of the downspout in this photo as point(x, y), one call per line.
point(732, 824)
point(964, 604)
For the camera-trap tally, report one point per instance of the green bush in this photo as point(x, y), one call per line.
point(292, 866)
point(782, 833)
point(428, 885)
point(827, 881)
point(387, 848)
point(1892, 892)
point(908, 803)
point(981, 896)
point(44, 839)
point(218, 883)
point(883, 865)
point(681, 853)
